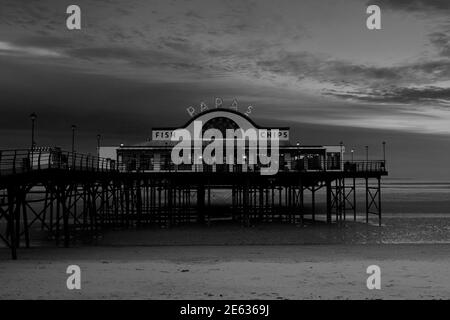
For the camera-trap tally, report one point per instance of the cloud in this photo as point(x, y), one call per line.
point(398, 95)
point(144, 59)
point(410, 83)
point(12, 49)
point(44, 41)
point(414, 5)
point(325, 69)
point(441, 40)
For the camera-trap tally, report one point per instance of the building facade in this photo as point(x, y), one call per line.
point(155, 154)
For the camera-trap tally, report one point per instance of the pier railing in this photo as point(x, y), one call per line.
point(136, 165)
point(26, 160)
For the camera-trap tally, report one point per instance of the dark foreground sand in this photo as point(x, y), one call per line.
point(409, 271)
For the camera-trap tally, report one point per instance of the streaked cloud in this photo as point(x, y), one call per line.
point(398, 95)
point(440, 6)
point(12, 49)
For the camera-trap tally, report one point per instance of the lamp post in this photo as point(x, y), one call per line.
point(73, 138)
point(99, 137)
point(98, 151)
point(73, 145)
point(384, 151)
point(352, 151)
point(341, 144)
point(33, 118)
point(367, 153)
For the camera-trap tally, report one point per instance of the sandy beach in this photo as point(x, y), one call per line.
point(232, 262)
point(231, 272)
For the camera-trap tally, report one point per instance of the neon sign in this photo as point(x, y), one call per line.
point(218, 103)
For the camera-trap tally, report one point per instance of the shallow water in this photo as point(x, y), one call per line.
point(413, 212)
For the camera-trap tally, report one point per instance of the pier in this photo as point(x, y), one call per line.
point(69, 196)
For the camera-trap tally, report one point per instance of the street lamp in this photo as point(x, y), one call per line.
point(73, 138)
point(352, 151)
point(341, 144)
point(33, 118)
point(367, 153)
point(98, 145)
point(384, 151)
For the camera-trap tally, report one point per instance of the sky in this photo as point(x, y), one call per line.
point(311, 65)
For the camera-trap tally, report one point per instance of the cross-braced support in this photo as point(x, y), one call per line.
point(373, 199)
point(78, 207)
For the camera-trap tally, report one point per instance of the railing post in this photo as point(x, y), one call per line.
point(39, 160)
point(14, 161)
point(28, 159)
